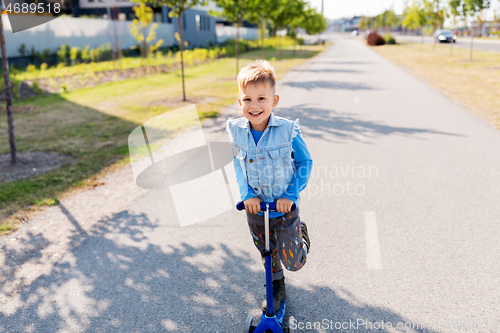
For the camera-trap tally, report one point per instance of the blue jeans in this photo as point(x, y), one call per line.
point(285, 241)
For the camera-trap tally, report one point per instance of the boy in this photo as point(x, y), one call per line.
point(272, 163)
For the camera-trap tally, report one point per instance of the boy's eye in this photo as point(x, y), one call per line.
point(246, 99)
point(262, 98)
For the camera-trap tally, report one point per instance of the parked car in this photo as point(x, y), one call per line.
point(445, 36)
point(355, 33)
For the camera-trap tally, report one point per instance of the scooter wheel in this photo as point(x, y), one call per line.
point(248, 324)
point(291, 320)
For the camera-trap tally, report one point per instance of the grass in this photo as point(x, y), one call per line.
point(92, 125)
point(472, 84)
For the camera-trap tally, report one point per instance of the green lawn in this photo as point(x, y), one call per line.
point(92, 125)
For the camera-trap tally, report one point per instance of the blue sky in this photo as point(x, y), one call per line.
point(347, 8)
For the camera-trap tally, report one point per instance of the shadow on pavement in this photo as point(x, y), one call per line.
point(329, 70)
point(115, 280)
point(345, 126)
point(310, 85)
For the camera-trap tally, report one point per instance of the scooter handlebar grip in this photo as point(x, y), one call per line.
point(272, 206)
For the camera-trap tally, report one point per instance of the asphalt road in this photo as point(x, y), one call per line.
point(492, 45)
point(402, 209)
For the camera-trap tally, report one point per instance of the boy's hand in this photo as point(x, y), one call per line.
point(252, 205)
point(284, 205)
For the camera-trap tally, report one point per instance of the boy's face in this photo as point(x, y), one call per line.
point(256, 102)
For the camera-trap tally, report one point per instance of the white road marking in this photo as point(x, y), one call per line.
point(372, 244)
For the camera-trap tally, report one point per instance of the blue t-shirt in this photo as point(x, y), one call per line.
point(303, 163)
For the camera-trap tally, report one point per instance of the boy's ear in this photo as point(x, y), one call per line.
point(276, 100)
point(239, 101)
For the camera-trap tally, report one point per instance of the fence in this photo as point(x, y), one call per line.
point(225, 32)
point(77, 32)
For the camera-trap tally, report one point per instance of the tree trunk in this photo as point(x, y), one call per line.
point(8, 96)
point(262, 38)
point(471, 41)
point(279, 46)
point(181, 49)
point(237, 46)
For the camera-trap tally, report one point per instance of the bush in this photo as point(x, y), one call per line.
point(74, 54)
point(45, 56)
point(63, 53)
point(86, 54)
point(389, 39)
point(375, 39)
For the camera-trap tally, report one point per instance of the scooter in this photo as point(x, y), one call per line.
point(269, 321)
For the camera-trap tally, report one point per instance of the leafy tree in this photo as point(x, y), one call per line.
point(452, 13)
point(366, 23)
point(177, 7)
point(435, 15)
point(391, 19)
point(496, 20)
point(410, 16)
point(8, 96)
point(284, 13)
point(472, 9)
point(314, 23)
point(143, 30)
point(237, 11)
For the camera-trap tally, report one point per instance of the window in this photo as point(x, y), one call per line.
point(157, 17)
point(198, 23)
point(184, 26)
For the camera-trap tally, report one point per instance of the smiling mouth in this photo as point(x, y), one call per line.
point(255, 114)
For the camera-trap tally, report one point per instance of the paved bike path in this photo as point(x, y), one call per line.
point(402, 210)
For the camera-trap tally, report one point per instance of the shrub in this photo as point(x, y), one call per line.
point(74, 52)
point(31, 68)
point(43, 66)
point(22, 50)
point(85, 54)
point(375, 39)
point(389, 39)
point(45, 55)
point(62, 53)
point(95, 55)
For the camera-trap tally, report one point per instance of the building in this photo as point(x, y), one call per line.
point(345, 24)
point(198, 27)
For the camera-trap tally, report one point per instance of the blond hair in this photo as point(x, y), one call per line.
point(257, 72)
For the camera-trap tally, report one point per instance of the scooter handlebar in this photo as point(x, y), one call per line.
point(272, 206)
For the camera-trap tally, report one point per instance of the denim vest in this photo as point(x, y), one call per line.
point(268, 165)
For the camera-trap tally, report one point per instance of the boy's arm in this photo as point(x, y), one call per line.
point(246, 191)
point(304, 164)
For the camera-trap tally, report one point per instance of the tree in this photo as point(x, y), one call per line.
point(391, 19)
point(143, 29)
point(284, 13)
point(434, 14)
point(177, 7)
point(453, 13)
point(411, 16)
point(8, 95)
point(365, 23)
point(237, 11)
point(314, 23)
point(471, 9)
point(496, 20)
